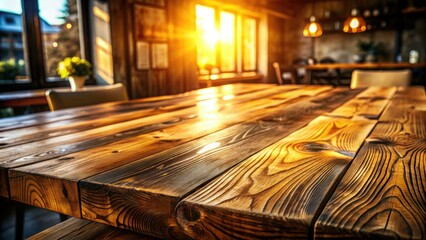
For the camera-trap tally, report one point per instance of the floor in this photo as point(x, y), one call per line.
point(36, 220)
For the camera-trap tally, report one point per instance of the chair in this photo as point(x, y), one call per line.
point(327, 75)
point(285, 76)
point(361, 78)
point(60, 99)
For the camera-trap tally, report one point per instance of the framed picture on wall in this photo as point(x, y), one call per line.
point(142, 61)
point(160, 54)
point(150, 23)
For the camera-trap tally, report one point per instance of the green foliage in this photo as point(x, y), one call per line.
point(369, 47)
point(67, 39)
point(74, 67)
point(9, 69)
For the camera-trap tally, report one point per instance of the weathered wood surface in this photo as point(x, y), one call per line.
point(279, 192)
point(383, 194)
point(7, 124)
point(262, 163)
point(54, 176)
point(369, 104)
point(141, 196)
point(59, 146)
point(86, 230)
point(108, 115)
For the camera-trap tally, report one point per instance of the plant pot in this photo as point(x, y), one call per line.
point(77, 82)
point(371, 58)
point(359, 57)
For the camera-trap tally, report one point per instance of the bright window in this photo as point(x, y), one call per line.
point(13, 54)
point(207, 36)
point(227, 42)
point(221, 35)
point(60, 34)
point(34, 36)
point(249, 44)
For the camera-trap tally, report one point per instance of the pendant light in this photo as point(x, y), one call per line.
point(312, 29)
point(355, 23)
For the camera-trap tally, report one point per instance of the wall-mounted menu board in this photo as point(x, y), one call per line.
point(150, 24)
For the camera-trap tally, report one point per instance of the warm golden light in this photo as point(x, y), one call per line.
point(68, 25)
point(312, 29)
point(101, 14)
point(55, 44)
point(354, 24)
point(207, 36)
point(228, 97)
point(209, 147)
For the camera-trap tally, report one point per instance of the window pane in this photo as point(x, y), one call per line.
point(102, 53)
point(13, 63)
point(207, 36)
point(227, 42)
point(249, 44)
point(59, 26)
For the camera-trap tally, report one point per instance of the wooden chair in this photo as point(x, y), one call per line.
point(281, 77)
point(60, 99)
point(364, 78)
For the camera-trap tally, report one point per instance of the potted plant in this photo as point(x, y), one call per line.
point(368, 51)
point(76, 70)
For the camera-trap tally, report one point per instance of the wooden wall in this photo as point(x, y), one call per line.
point(181, 74)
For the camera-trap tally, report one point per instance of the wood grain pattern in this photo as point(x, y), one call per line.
point(7, 124)
point(78, 141)
point(109, 156)
point(383, 194)
point(86, 230)
point(368, 104)
point(284, 184)
point(115, 114)
point(141, 196)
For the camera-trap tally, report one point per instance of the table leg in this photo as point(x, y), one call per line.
point(20, 220)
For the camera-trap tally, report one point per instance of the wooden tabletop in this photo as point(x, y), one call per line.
point(248, 161)
point(379, 65)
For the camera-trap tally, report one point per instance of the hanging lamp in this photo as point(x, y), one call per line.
point(355, 23)
point(312, 29)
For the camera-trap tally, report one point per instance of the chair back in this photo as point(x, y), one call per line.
point(277, 70)
point(386, 78)
point(60, 99)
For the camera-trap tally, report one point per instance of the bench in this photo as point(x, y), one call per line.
point(75, 228)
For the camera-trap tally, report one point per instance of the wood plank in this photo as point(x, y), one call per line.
point(53, 173)
point(141, 196)
point(278, 192)
point(383, 194)
point(126, 112)
point(368, 104)
point(30, 153)
point(60, 146)
point(161, 101)
point(86, 230)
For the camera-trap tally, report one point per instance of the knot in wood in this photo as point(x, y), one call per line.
point(315, 147)
point(191, 214)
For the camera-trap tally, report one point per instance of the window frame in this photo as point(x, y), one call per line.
point(256, 69)
point(31, 29)
point(219, 46)
point(239, 60)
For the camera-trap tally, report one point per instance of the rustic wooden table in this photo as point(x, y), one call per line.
point(235, 161)
point(363, 66)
